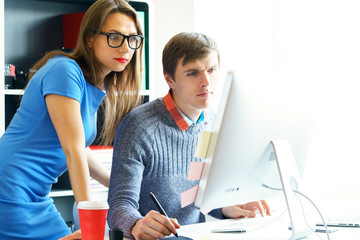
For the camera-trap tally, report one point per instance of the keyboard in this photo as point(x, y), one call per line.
point(349, 220)
point(243, 225)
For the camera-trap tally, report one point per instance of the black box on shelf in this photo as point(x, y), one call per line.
point(20, 80)
point(9, 82)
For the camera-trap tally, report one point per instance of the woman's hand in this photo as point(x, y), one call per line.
point(154, 226)
point(73, 236)
point(247, 210)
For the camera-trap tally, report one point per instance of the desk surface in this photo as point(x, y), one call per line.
point(202, 231)
point(274, 230)
point(277, 229)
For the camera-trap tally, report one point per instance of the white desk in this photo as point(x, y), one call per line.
point(277, 230)
point(202, 231)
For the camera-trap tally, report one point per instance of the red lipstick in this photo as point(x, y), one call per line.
point(121, 60)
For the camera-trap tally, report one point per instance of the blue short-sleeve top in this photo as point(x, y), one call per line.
point(31, 157)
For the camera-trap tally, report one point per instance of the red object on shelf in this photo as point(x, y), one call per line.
point(100, 147)
point(71, 27)
point(12, 70)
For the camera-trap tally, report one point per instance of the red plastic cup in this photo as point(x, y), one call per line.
point(93, 219)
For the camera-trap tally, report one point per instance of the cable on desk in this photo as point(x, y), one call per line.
point(306, 197)
point(317, 209)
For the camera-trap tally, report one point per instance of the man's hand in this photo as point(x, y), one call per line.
point(154, 226)
point(247, 210)
point(73, 236)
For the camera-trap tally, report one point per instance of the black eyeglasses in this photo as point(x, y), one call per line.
point(115, 40)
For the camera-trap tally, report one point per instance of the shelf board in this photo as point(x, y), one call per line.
point(14, 91)
point(66, 193)
point(61, 193)
point(21, 92)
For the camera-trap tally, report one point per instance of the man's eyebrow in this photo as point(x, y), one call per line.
point(197, 70)
point(191, 70)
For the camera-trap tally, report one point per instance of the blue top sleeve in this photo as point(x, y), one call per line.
point(63, 78)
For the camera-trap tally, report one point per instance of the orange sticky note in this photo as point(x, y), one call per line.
point(195, 170)
point(188, 197)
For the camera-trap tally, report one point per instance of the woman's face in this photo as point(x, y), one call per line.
point(114, 59)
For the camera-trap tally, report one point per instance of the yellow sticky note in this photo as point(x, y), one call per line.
point(203, 144)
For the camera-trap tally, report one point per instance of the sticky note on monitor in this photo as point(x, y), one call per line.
point(203, 144)
point(188, 197)
point(195, 170)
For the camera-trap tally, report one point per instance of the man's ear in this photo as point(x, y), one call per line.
point(168, 79)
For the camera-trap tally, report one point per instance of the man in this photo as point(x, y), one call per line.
point(156, 142)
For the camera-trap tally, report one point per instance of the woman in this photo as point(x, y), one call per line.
point(56, 121)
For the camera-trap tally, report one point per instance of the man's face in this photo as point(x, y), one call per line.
point(193, 85)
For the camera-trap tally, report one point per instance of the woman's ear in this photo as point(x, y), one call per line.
point(90, 41)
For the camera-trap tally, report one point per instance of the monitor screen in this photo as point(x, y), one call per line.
point(256, 114)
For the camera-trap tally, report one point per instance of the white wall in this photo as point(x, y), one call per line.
point(323, 44)
point(243, 30)
point(315, 42)
point(170, 17)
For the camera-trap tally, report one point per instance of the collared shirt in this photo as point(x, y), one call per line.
point(180, 118)
point(189, 121)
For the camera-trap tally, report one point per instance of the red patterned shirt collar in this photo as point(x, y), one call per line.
point(175, 113)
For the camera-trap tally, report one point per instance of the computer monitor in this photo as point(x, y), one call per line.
point(260, 140)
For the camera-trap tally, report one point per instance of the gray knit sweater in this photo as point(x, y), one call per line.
point(152, 154)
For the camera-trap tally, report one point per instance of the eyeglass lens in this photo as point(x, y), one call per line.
point(116, 40)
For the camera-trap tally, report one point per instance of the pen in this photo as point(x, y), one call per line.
point(159, 207)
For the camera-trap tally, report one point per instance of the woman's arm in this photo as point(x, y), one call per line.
point(66, 117)
point(97, 170)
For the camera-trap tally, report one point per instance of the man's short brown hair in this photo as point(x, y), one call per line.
point(186, 46)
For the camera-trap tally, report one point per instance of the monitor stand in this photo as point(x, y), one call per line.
point(290, 178)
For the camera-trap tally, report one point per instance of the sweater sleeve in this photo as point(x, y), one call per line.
point(216, 213)
point(126, 177)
